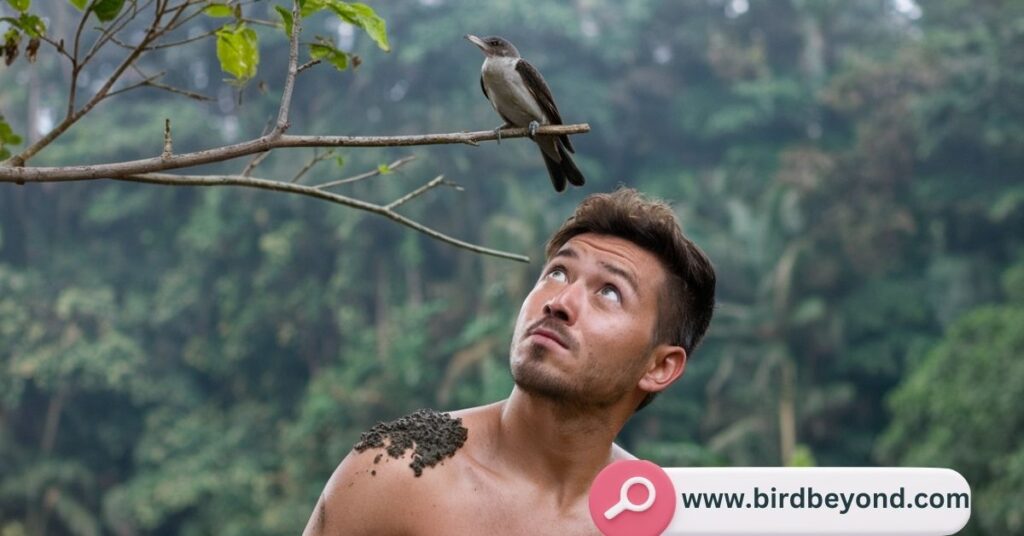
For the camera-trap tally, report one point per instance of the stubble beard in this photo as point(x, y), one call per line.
point(588, 391)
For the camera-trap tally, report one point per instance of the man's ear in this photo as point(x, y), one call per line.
point(667, 366)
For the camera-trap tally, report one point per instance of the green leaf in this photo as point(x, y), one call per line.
point(365, 17)
point(339, 161)
point(286, 17)
point(308, 7)
point(383, 169)
point(238, 51)
point(7, 137)
point(324, 50)
point(80, 4)
point(20, 6)
point(107, 10)
point(32, 25)
point(219, 10)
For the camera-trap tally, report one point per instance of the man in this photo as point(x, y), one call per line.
point(623, 298)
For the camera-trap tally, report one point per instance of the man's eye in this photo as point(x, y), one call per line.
point(557, 274)
point(611, 293)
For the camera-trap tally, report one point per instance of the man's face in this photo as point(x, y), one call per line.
point(585, 330)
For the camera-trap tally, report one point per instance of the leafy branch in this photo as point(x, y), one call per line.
point(238, 52)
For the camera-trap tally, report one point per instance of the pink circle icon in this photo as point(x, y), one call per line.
point(632, 498)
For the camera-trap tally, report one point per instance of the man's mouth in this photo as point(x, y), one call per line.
point(547, 333)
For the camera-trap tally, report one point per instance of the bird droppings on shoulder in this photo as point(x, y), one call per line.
point(432, 436)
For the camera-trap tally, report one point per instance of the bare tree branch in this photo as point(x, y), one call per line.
point(317, 158)
point(293, 70)
point(178, 91)
point(151, 81)
point(261, 22)
point(168, 142)
point(115, 26)
point(75, 68)
point(257, 160)
point(415, 193)
point(146, 80)
point(186, 20)
point(184, 41)
point(309, 64)
point(392, 166)
point(10, 171)
point(58, 46)
point(170, 44)
point(167, 18)
point(73, 116)
point(250, 182)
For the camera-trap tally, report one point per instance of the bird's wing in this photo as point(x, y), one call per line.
point(484, 89)
point(540, 91)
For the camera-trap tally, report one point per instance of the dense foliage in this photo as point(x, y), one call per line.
point(196, 361)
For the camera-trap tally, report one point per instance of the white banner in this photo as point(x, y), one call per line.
point(638, 498)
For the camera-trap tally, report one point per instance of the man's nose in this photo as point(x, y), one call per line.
point(565, 304)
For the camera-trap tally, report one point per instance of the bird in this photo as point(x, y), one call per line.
point(519, 94)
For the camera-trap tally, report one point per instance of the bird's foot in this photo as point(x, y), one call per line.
point(531, 129)
point(497, 131)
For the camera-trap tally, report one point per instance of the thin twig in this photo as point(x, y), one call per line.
point(73, 116)
point(12, 171)
point(115, 26)
point(75, 67)
point(58, 46)
point(171, 27)
point(293, 70)
point(257, 160)
point(151, 81)
point(168, 143)
point(415, 193)
point(161, 46)
point(183, 41)
point(178, 91)
point(309, 64)
point(391, 167)
point(317, 158)
point(267, 23)
point(188, 3)
point(236, 180)
point(144, 81)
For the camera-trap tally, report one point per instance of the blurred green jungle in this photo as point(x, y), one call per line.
point(192, 361)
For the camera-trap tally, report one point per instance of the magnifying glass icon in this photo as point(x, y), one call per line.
point(624, 502)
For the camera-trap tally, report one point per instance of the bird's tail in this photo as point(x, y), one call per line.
point(563, 171)
point(569, 167)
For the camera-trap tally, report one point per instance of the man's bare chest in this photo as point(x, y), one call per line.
point(483, 509)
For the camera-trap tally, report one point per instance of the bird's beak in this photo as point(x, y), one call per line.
point(478, 42)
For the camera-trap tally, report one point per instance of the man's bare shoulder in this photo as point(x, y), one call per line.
point(390, 481)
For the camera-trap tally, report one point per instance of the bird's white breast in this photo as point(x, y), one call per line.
point(508, 93)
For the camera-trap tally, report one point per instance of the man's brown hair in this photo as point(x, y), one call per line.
point(684, 310)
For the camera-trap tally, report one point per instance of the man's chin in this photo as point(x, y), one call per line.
point(535, 377)
point(529, 376)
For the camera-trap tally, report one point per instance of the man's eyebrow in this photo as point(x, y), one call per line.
point(611, 268)
point(566, 252)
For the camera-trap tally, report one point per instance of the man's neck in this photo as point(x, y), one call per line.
point(561, 448)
